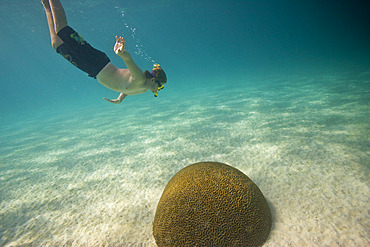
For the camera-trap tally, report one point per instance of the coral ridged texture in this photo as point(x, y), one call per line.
point(211, 204)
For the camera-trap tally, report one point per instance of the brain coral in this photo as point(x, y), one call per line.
point(211, 204)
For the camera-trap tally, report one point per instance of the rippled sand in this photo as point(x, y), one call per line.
point(93, 176)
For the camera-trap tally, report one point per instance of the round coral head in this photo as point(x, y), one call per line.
point(211, 204)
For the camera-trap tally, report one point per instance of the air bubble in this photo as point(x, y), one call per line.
point(139, 49)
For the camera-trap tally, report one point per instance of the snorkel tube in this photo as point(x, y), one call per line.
point(158, 89)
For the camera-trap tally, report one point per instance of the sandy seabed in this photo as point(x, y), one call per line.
point(93, 177)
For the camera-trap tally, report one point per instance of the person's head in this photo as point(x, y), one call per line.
point(159, 76)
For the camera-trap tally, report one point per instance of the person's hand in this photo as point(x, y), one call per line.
point(119, 47)
point(114, 101)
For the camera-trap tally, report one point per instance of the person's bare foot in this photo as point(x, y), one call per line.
point(46, 4)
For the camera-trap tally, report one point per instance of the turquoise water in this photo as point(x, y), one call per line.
point(277, 89)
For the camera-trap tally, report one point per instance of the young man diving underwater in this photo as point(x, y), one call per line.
point(96, 64)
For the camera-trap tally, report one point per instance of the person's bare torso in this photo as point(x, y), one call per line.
point(121, 80)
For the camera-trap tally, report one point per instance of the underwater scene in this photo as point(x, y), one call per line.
point(279, 90)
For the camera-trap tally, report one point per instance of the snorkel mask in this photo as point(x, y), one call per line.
point(159, 85)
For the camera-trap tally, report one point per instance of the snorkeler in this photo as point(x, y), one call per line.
point(96, 64)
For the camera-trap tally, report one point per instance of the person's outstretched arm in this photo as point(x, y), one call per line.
point(119, 49)
point(118, 100)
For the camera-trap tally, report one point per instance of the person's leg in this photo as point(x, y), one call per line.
point(70, 44)
point(59, 16)
point(55, 40)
